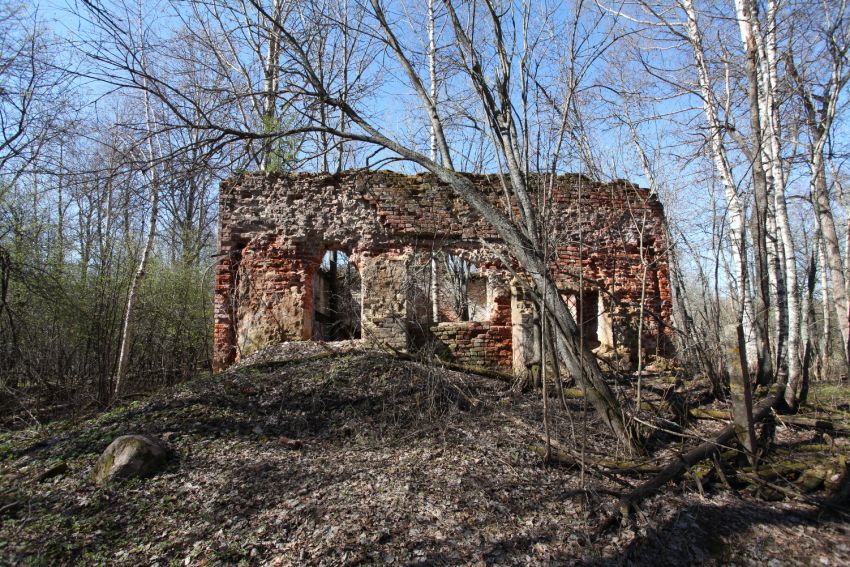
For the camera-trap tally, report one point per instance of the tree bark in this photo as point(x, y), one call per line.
point(742, 404)
point(791, 295)
point(271, 74)
point(832, 250)
point(130, 309)
point(801, 386)
point(758, 219)
point(819, 112)
point(737, 235)
point(826, 310)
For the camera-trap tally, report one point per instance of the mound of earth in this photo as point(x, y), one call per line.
point(357, 458)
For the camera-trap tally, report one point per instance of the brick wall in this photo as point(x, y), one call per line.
point(274, 229)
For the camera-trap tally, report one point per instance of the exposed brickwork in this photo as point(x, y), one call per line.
point(479, 343)
point(474, 342)
point(275, 229)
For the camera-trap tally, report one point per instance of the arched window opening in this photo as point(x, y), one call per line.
point(336, 298)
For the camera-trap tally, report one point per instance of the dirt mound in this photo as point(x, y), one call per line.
point(358, 458)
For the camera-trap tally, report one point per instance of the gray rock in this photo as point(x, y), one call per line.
point(130, 456)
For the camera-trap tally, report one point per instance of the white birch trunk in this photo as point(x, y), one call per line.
point(826, 311)
point(432, 73)
point(139, 275)
point(737, 234)
point(773, 155)
point(271, 73)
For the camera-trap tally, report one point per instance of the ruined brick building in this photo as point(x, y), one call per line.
point(401, 261)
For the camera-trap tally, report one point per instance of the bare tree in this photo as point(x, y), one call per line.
point(153, 160)
point(31, 97)
point(522, 236)
point(819, 88)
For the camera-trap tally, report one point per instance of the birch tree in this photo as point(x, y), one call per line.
point(819, 89)
point(128, 328)
point(770, 293)
point(735, 208)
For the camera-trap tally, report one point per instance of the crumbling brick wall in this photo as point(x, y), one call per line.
point(275, 228)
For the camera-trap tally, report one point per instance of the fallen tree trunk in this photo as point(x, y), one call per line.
point(815, 423)
point(795, 420)
point(685, 461)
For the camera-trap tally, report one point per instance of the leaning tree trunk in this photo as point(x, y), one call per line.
point(519, 239)
point(579, 360)
point(130, 309)
point(129, 326)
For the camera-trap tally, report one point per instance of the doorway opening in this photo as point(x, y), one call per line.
point(337, 298)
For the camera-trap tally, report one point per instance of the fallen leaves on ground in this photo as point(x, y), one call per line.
point(357, 458)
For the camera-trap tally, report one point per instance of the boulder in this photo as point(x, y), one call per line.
point(130, 456)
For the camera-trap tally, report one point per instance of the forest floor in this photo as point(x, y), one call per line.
point(359, 458)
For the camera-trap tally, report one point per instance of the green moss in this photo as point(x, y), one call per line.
point(834, 393)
